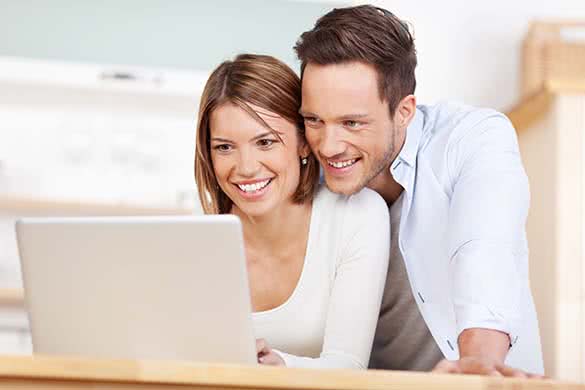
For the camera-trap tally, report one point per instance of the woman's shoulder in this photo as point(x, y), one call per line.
point(364, 203)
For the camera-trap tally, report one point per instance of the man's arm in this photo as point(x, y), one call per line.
point(485, 344)
point(487, 217)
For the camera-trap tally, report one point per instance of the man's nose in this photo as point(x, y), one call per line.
point(331, 143)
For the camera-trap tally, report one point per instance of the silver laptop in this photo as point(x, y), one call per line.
point(138, 287)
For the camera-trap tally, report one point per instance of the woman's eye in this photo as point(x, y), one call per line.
point(265, 142)
point(223, 148)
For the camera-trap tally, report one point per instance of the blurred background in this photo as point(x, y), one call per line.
point(98, 103)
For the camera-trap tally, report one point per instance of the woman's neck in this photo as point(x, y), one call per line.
point(285, 225)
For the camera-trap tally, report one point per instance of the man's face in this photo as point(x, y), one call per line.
point(348, 126)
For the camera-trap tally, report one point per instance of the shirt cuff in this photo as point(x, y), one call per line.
point(284, 356)
point(479, 316)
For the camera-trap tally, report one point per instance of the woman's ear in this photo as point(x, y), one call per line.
point(304, 149)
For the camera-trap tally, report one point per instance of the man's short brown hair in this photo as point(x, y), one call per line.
point(366, 34)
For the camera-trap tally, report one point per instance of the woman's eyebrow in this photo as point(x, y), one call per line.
point(218, 139)
point(268, 133)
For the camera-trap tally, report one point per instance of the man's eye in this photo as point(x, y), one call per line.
point(351, 124)
point(310, 120)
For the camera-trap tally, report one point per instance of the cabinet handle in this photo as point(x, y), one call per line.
point(120, 75)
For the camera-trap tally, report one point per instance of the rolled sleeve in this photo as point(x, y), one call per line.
point(487, 244)
point(486, 289)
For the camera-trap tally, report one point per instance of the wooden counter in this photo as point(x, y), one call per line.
point(60, 373)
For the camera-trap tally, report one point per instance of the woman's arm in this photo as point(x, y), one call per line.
point(357, 288)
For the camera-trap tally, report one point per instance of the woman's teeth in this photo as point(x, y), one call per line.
point(341, 164)
point(254, 187)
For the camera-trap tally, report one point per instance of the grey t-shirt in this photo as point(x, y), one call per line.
point(402, 340)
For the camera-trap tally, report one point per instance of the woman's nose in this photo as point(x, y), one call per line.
point(248, 164)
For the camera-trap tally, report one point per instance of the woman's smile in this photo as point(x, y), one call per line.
point(253, 190)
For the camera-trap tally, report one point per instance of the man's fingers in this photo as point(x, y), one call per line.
point(514, 372)
point(465, 366)
point(475, 366)
point(446, 367)
point(478, 367)
point(511, 372)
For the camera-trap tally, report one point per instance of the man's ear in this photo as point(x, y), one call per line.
point(405, 111)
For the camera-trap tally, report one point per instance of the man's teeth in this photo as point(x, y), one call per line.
point(254, 187)
point(341, 164)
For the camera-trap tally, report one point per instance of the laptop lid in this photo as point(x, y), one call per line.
point(138, 287)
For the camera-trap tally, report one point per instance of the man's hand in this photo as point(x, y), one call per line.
point(482, 352)
point(479, 366)
point(266, 355)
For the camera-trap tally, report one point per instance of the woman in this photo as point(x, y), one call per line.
point(316, 260)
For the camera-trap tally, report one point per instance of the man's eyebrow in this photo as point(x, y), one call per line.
point(306, 113)
point(352, 116)
point(343, 117)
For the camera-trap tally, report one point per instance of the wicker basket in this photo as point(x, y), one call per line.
point(553, 52)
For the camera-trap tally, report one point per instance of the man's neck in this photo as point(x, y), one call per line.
point(385, 185)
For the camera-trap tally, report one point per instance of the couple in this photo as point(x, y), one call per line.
point(413, 254)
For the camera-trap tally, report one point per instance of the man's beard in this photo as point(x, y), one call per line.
point(378, 166)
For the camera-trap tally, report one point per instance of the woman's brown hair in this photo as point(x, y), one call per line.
point(258, 80)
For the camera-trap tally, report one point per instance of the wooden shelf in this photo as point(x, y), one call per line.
point(22, 204)
point(534, 107)
point(11, 297)
point(530, 110)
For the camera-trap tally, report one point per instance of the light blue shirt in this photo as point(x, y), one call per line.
point(462, 231)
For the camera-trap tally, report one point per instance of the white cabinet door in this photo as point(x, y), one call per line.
point(82, 133)
point(14, 331)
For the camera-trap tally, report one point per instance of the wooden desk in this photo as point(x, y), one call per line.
point(17, 373)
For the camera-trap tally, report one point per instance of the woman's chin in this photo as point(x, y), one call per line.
point(256, 210)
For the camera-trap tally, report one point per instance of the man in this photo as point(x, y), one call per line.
point(457, 286)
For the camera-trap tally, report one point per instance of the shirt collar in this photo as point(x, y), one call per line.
point(413, 136)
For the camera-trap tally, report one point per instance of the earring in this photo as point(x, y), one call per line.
point(304, 161)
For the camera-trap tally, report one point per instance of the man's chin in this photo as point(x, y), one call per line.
point(343, 188)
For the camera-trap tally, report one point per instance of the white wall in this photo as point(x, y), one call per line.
point(176, 34)
point(470, 50)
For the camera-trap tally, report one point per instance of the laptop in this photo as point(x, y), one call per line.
point(138, 287)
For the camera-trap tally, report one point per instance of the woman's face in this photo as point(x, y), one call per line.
point(255, 169)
